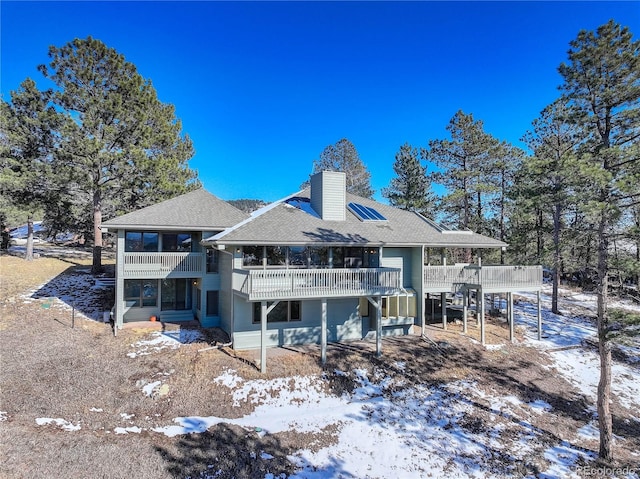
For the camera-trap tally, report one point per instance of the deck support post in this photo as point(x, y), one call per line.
point(539, 317)
point(482, 331)
point(465, 305)
point(379, 328)
point(512, 335)
point(263, 337)
point(433, 308)
point(443, 305)
point(477, 307)
point(323, 332)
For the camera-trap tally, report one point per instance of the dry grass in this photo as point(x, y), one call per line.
point(31, 273)
point(51, 370)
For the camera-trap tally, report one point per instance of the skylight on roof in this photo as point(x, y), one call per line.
point(365, 213)
point(303, 204)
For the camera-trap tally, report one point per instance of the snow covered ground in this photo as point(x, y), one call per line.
point(384, 429)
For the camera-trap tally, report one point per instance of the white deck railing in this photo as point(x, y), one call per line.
point(163, 265)
point(273, 284)
point(490, 278)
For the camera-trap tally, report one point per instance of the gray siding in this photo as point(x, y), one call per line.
point(343, 323)
point(225, 268)
point(328, 195)
point(399, 258)
point(417, 279)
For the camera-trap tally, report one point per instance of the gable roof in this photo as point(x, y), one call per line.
point(285, 222)
point(197, 210)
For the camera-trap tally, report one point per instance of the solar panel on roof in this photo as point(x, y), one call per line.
point(365, 213)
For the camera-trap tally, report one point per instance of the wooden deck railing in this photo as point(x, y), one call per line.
point(273, 284)
point(163, 265)
point(490, 278)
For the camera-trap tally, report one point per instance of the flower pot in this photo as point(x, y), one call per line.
point(152, 318)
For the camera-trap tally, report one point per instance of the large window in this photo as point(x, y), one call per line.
point(212, 303)
point(276, 255)
point(311, 256)
point(141, 292)
point(252, 255)
point(140, 241)
point(361, 258)
point(213, 255)
point(179, 242)
point(298, 256)
point(176, 294)
point(283, 312)
point(319, 256)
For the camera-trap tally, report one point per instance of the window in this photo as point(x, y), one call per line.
point(213, 256)
point(252, 255)
point(371, 258)
point(338, 257)
point(319, 256)
point(179, 242)
point(212, 303)
point(140, 293)
point(176, 294)
point(353, 258)
point(363, 307)
point(140, 241)
point(276, 255)
point(361, 258)
point(283, 312)
point(297, 256)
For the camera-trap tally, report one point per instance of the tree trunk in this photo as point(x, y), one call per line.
point(540, 238)
point(503, 232)
point(604, 346)
point(97, 232)
point(29, 254)
point(556, 258)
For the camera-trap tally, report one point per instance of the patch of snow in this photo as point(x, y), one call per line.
point(66, 425)
point(563, 338)
point(69, 292)
point(229, 378)
point(589, 431)
point(95, 409)
point(539, 406)
point(494, 347)
point(265, 455)
point(157, 341)
point(410, 433)
point(148, 389)
point(563, 459)
point(3, 416)
point(126, 416)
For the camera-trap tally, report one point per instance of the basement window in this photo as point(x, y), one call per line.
point(284, 311)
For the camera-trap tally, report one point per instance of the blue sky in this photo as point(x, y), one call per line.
point(262, 88)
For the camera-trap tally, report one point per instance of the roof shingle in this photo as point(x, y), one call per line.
point(283, 223)
point(198, 210)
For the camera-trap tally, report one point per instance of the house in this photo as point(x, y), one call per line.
point(162, 270)
point(318, 266)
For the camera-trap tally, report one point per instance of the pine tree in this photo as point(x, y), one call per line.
point(553, 169)
point(467, 160)
point(27, 177)
point(602, 88)
point(120, 147)
point(410, 189)
point(343, 156)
